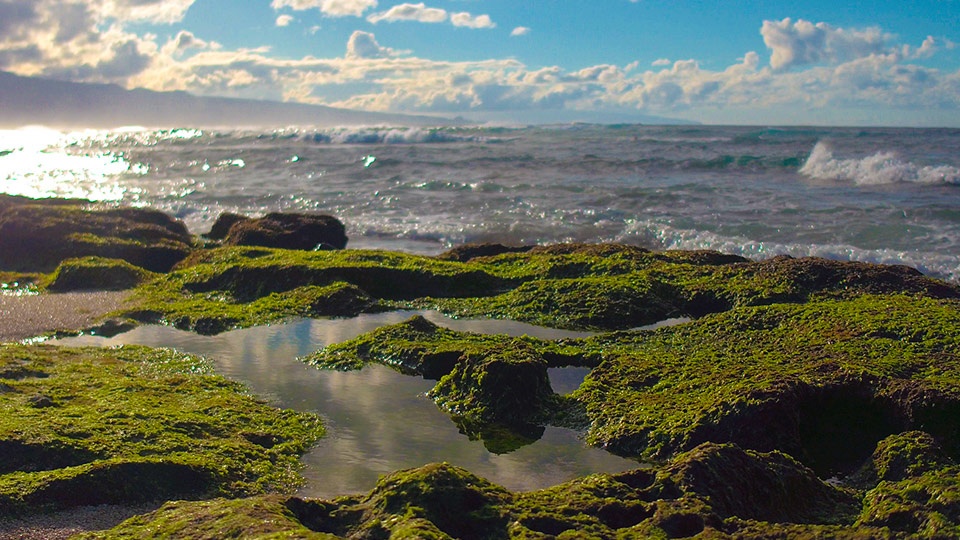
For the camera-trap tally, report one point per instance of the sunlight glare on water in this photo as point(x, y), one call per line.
point(34, 162)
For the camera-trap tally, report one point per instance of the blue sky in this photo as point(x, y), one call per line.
point(756, 62)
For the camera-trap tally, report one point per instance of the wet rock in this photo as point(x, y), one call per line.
point(36, 235)
point(467, 252)
point(508, 385)
point(455, 501)
point(289, 231)
point(904, 455)
point(757, 486)
point(221, 227)
point(97, 273)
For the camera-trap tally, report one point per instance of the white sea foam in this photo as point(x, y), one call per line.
point(883, 167)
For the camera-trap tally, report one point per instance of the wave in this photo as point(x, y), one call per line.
point(883, 167)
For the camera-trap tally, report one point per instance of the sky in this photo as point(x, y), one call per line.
point(767, 62)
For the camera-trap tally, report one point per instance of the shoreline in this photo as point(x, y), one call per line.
point(32, 315)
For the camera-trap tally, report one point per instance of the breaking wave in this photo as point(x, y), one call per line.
point(883, 167)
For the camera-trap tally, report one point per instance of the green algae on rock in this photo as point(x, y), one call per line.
point(687, 497)
point(822, 381)
point(96, 273)
point(36, 235)
point(125, 425)
point(592, 287)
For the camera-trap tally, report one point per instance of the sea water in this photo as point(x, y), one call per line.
point(867, 194)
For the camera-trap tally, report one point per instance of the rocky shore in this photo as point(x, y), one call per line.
point(803, 397)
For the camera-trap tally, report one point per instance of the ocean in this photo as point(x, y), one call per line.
point(865, 194)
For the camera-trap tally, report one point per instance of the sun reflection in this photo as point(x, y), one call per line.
point(35, 162)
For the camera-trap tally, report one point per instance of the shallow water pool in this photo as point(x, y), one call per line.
point(377, 420)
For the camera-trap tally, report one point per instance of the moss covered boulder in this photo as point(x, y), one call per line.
point(36, 235)
point(97, 273)
point(695, 494)
point(87, 426)
point(288, 231)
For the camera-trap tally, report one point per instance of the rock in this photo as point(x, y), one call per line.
point(508, 385)
point(221, 227)
point(97, 273)
point(36, 235)
point(470, 251)
point(289, 231)
point(753, 485)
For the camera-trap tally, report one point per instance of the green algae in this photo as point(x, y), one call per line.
point(598, 287)
point(787, 376)
point(95, 426)
point(96, 273)
point(685, 498)
point(790, 377)
point(37, 235)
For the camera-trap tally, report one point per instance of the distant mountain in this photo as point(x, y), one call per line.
point(34, 101)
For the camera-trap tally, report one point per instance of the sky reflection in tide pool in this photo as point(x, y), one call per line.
point(378, 421)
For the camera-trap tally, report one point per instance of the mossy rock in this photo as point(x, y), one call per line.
point(221, 227)
point(508, 385)
point(133, 424)
point(97, 273)
point(715, 491)
point(823, 381)
point(288, 231)
point(37, 235)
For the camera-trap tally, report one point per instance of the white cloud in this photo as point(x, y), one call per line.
point(520, 31)
point(410, 12)
point(364, 45)
point(284, 20)
point(467, 20)
point(157, 11)
point(813, 67)
point(803, 43)
point(332, 8)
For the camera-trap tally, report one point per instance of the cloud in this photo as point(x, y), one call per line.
point(364, 45)
point(410, 12)
point(812, 67)
point(467, 20)
point(284, 20)
point(332, 8)
point(520, 31)
point(803, 43)
point(157, 11)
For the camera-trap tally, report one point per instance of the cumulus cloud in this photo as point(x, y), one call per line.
point(803, 42)
point(364, 45)
point(812, 66)
point(332, 8)
point(520, 31)
point(284, 20)
point(467, 20)
point(410, 12)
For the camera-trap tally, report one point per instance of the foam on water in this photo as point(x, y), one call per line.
point(883, 167)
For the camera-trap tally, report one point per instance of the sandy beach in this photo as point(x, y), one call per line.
point(26, 316)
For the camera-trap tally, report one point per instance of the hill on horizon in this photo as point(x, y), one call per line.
point(60, 104)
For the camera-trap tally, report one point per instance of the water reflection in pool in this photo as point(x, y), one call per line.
point(378, 421)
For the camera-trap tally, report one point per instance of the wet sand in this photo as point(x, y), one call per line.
point(26, 316)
